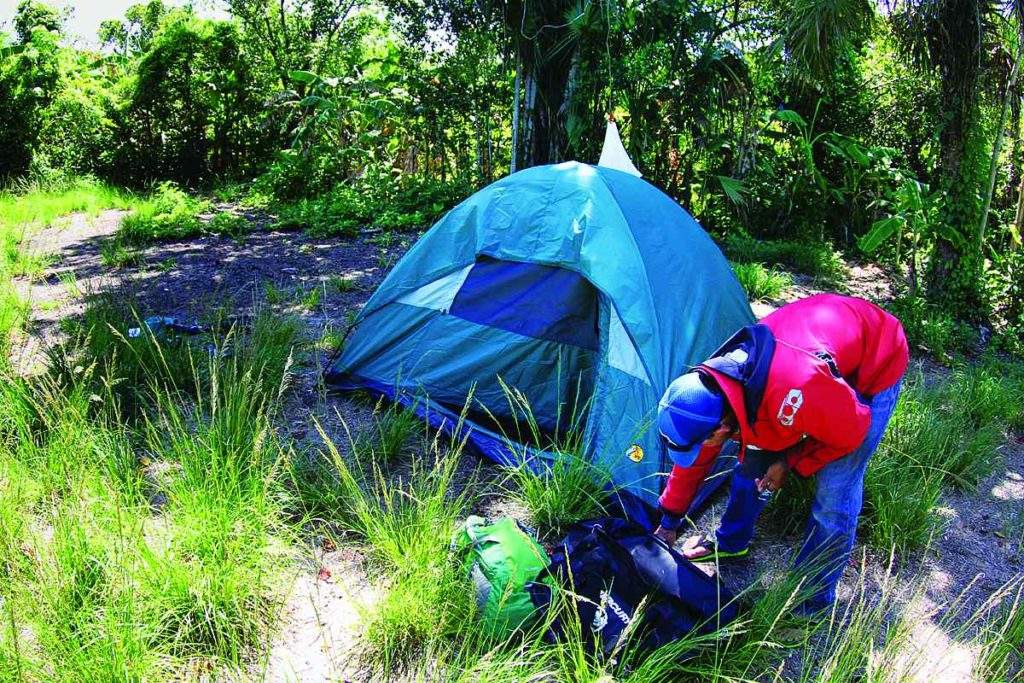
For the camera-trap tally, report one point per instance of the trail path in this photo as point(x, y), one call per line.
point(982, 545)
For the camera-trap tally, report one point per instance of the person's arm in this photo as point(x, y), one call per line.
point(682, 486)
point(834, 421)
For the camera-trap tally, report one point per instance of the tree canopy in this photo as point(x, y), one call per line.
point(890, 131)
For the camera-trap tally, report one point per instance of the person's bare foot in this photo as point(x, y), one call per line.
point(696, 547)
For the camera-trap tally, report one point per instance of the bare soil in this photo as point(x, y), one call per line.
point(982, 545)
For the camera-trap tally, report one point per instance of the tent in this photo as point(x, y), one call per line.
point(586, 289)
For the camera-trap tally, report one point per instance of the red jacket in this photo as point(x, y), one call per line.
point(828, 348)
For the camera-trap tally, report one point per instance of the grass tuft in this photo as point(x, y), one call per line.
point(761, 283)
point(820, 261)
point(168, 214)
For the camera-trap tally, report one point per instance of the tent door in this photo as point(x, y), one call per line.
point(547, 320)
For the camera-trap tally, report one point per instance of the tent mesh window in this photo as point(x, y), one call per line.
point(537, 303)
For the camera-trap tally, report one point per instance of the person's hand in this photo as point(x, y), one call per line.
point(774, 478)
point(667, 535)
point(722, 433)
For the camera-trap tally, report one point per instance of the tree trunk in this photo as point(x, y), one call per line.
point(530, 116)
point(996, 149)
point(953, 277)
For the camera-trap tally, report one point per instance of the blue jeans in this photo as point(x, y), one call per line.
point(837, 503)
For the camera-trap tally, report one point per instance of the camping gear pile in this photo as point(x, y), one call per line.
point(608, 579)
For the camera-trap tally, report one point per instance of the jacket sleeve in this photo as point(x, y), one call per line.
point(834, 421)
point(682, 486)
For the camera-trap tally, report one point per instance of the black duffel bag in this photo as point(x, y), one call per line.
point(614, 572)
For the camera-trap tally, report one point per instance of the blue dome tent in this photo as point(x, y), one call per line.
point(585, 288)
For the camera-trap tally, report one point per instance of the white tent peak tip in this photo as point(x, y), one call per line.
point(613, 154)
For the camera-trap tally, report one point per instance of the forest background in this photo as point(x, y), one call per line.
point(891, 132)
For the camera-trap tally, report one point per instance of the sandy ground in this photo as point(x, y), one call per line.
point(981, 547)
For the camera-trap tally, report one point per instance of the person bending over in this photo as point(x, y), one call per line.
point(810, 390)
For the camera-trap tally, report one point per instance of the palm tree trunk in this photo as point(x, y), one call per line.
point(997, 148)
point(952, 278)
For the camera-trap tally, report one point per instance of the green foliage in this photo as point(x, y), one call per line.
point(168, 214)
point(382, 202)
point(227, 224)
point(760, 282)
point(932, 329)
point(817, 260)
point(192, 106)
point(1005, 287)
point(29, 78)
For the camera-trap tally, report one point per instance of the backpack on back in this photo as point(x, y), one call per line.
point(503, 558)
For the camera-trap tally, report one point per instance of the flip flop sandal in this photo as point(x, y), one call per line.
point(708, 542)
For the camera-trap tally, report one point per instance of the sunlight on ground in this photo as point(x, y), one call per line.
point(956, 662)
point(1010, 488)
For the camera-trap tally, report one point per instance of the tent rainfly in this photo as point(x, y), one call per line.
point(584, 288)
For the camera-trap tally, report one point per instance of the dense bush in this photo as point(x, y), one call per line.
point(29, 78)
point(192, 109)
point(381, 201)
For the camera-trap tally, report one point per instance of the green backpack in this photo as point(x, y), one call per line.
point(502, 559)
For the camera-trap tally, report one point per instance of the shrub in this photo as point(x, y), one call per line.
point(227, 224)
point(377, 200)
point(932, 330)
point(760, 282)
point(168, 214)
point(818, 260)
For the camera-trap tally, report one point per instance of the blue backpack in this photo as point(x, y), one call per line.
point(615, 573)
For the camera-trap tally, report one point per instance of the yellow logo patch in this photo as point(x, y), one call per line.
point(635, 453)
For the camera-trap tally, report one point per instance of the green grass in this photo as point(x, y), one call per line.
point(932, 330)
point(392, 430)
point(149, 500)
point(818, 260)
point(227, 224)
point(169, 213)
point(195, 582)
point(31, 207)
point(554, 480)
point(341, 284)
point(116, 254)
point(559, 491)
point(405, 526)
point(310, 300)
point(760, 282)
point(944, 434)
